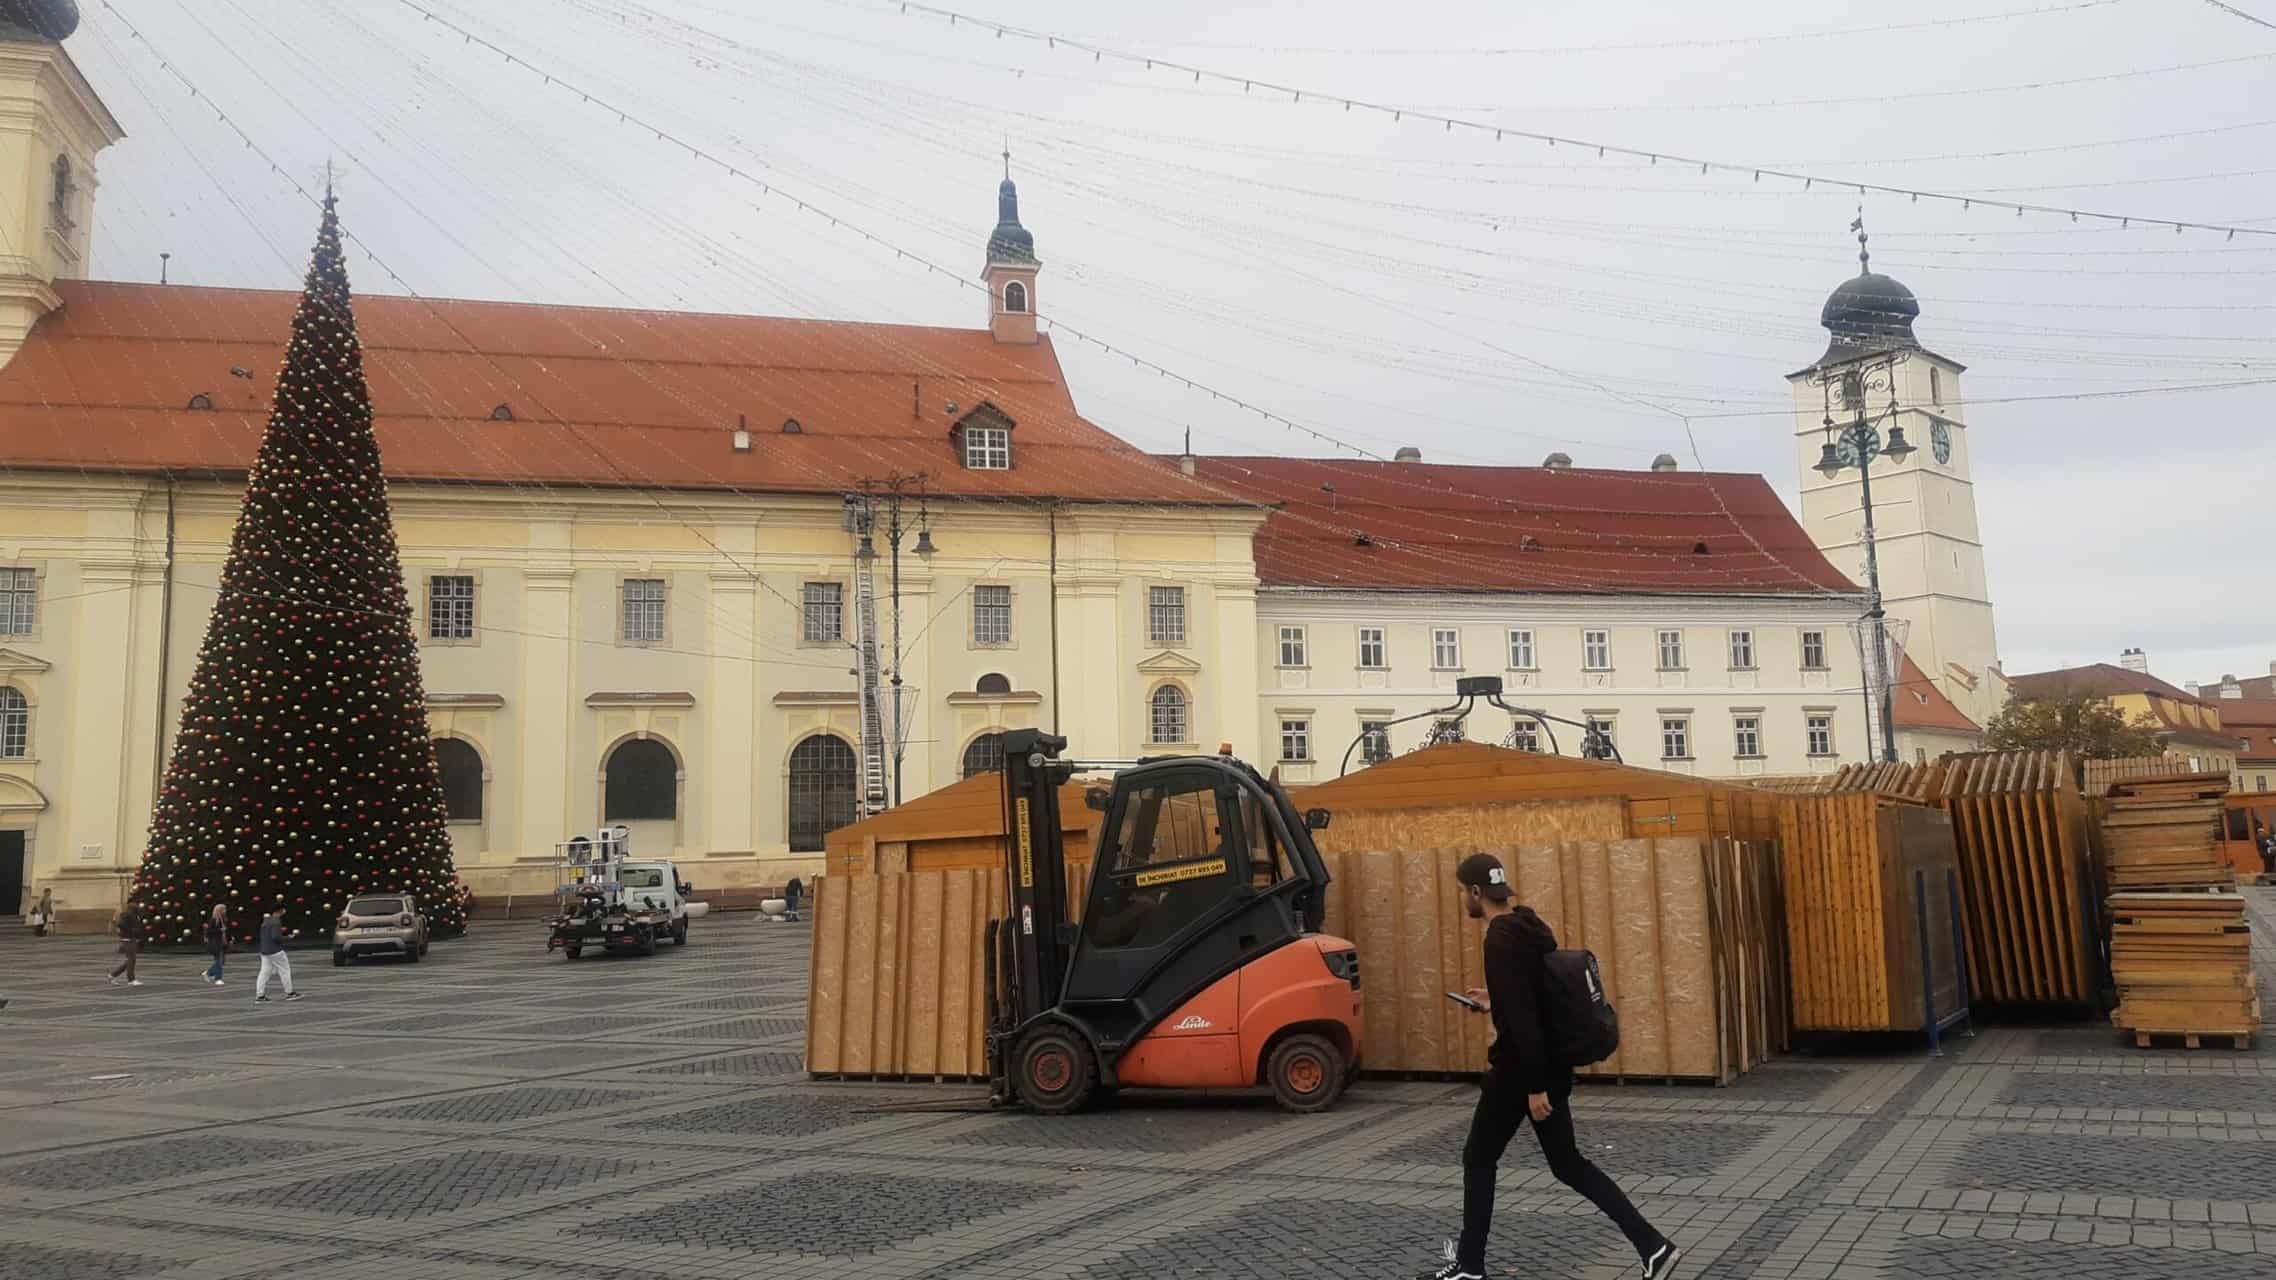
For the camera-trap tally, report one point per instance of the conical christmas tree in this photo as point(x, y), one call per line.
point(303, 773)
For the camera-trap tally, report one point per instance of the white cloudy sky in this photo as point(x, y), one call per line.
point(1385, 282)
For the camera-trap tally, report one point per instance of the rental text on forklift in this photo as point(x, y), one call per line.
point(1198, 962)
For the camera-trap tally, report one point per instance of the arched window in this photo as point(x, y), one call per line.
point(15, 725)
point(1015, 296)
point(461, 767)
point(985, 755)
point(823, 788)
point(643, 783)
point(993, 685)
point(1168, 718)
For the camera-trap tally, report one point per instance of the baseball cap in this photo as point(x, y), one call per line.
point(1483, 872)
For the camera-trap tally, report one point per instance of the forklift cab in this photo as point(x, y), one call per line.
point(1202, 871)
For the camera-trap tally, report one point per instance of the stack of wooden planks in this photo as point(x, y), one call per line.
point(2021, 829)
point(2183, 964)
point(1864, 872)
point(2164, 833)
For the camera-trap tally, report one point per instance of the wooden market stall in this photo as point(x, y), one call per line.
point(957, 827)
point(1872, 926)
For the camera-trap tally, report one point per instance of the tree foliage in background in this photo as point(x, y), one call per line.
point(2080, 723)
point(303, 774)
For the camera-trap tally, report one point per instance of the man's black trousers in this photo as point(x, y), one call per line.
point(1501, 1109)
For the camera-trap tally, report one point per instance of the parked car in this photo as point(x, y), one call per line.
point(380, 924)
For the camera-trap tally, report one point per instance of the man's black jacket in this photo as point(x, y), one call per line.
point(1517, 945)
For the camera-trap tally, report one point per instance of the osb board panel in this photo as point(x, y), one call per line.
point(1604, 818)
point(1852, 913)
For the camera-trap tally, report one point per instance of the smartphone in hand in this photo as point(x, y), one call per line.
point(1465, 1001)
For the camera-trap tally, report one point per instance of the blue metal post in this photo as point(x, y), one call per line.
point(1927, 970)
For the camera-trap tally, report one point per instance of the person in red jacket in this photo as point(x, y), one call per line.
point(1523, 1082)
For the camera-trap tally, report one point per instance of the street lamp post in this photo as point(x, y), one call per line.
point(1857, 445)
point(885, 502)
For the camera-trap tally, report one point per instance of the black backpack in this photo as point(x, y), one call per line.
point(1580, 1024)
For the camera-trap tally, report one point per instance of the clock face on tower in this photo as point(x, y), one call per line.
point(1940, 441)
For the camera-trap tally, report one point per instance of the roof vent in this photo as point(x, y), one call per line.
point(1558, 462)
point(503, 413)
point(1407, 453)
point(240, 371)
point(1665, 462)
point(790, 427)
point(201, 401)
point(1529, 543)
point(1699, 548)
point(1360, 539)
point(740, 441)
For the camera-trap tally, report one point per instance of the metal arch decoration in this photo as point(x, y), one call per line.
point(1468, 691)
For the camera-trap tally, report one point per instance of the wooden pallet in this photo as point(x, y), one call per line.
point(2193, 1039)
point(2183, 964)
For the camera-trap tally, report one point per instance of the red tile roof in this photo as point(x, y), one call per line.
point(1528, 529)
point(2252, 722)
point(1918, 703)
point(2100, 679)
point(599, 397)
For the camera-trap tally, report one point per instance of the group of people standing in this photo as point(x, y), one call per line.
point(127, 927)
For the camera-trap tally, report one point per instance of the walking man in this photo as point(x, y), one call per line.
point(129, 928)
point(1523, 1082)
point(216, 940)
point(273, 957)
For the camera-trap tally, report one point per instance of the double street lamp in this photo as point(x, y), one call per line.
point(1857, 445)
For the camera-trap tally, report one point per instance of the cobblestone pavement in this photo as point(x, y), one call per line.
point(495, 1112)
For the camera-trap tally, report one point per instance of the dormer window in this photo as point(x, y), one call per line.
point(983, 439)
point(1015, 297)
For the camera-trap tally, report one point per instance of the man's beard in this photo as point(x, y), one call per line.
point(1475, 908)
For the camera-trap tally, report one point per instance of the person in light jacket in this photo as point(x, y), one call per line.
point(216, 940)
point(43, 913)
point(274, 961)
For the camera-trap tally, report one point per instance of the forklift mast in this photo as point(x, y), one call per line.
point(1039, 935)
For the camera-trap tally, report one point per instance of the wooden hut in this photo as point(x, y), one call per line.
point(958, 827)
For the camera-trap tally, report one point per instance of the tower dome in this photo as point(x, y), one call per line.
point(1009, 242)
point(39, 19)
point(1871, 308)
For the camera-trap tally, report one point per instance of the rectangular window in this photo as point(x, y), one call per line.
point(1813, 651)
point(1295, 740)
point(1292, 646)
point(2260, 782)
point(988, 448)
point(644, 610)
point(450, 607)
point(1742, 651)
point(1596, 651)
point(1371, 647)
point(1165, 615)
point(1525, 735)
point(1600, 730)
point(991, 615)
point(1671, 650)
point(823, 611)
point(1675, 738)
point(1445, 648)
point(1746, 734)
point(1820, 734)
point(1935, 385)
point(1521, 650)
point(19, 601)
point(1374, 740)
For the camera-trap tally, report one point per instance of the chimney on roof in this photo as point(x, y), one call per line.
point(2190, 688)
point(1407, 453)
point(1665, 462)
point(1558, 462)
point(1185, 456)
point(2135, 660)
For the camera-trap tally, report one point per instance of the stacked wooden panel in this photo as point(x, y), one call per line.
point(2101, 775)
point(2164, 833)
point(2183, 964)
point(1919, 783)
point(2021, 829)
point(1859, 869)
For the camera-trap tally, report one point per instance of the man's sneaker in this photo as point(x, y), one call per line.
point(118, 982)
point(292, 995)
point(1452, 1271)
point(134, 982)
point(260, 999)
point(1660, 1263)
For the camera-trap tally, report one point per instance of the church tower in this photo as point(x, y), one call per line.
point(1924, 504)
point(51, 127)
point(1010, 273)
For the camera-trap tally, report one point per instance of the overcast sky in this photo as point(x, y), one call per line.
point(1385, 282)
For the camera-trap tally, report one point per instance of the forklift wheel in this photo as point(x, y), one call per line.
point(1057, 1072)
point(1305, 1072)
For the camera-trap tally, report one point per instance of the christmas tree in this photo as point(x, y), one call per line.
point(303, 774)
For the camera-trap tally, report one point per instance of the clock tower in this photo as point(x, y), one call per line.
point(1924, 504)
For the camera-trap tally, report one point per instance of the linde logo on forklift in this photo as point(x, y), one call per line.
point(1201, 912)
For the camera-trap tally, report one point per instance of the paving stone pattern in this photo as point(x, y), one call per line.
point(465, 1118)
point(825, 1214)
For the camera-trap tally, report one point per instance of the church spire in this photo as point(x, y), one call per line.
point(1009, 242)
point(1011, 267)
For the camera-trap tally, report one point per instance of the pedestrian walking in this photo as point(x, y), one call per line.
point(791, 893)
point(274, 961)
point(1523, 1082)
point(216, 940)
point(43, 914)
point(128, 926)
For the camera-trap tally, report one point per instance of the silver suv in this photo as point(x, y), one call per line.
point(380, 924)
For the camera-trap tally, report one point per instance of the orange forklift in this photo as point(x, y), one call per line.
point(1198, 961)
